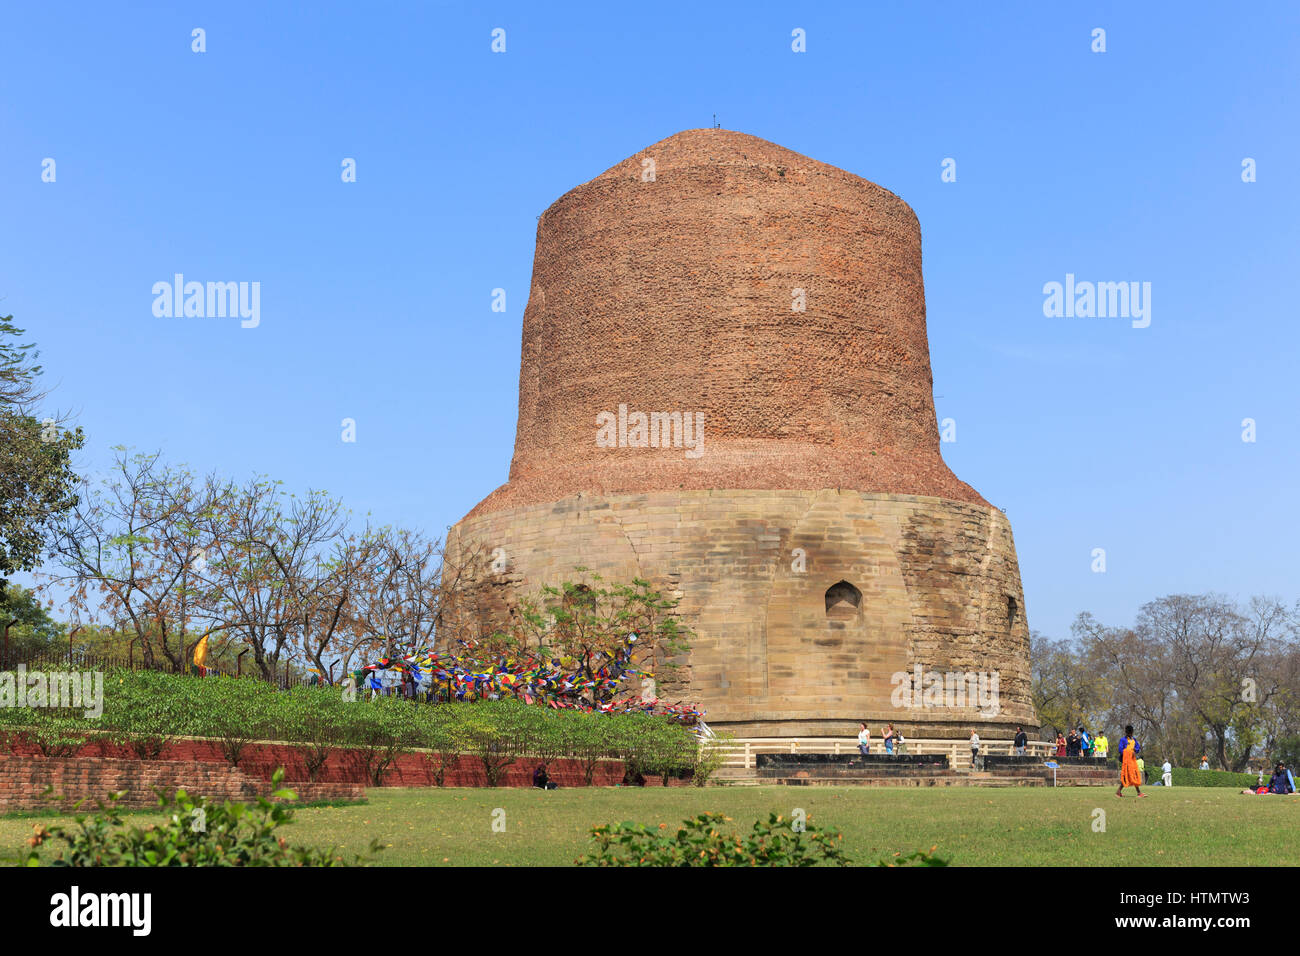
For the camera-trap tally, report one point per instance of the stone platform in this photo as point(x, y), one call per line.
point(924, 770)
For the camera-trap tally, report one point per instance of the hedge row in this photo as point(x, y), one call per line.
point(1188, 777)
point(145, 709)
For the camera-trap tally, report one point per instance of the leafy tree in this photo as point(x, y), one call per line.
point(1195, 674)
point(32, 627)
point(37, 483)
point(591, 626)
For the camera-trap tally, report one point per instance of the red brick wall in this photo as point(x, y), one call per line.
point(344, 766)
point(676, 295)
point(24, 780)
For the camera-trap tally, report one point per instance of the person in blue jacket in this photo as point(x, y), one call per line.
point(1281, 781)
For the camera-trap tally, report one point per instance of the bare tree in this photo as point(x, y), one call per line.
point(133, 549)
point(265, 551)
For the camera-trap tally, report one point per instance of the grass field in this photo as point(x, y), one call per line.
point(974, 827)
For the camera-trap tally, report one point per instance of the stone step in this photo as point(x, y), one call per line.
point(953, 780)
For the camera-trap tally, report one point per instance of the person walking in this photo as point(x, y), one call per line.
point(1021, 741)
point(864, 740)
point(1129, 775)
point(889, 739)
point(1060, 745)
point(974, 747)
point(1167, 774)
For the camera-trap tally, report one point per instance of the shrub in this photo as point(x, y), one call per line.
point(54, 735)
point(383, 732)
point(541, 733)
point(491, 735)
point(706, 841)
point(320, 735)
point(670, 754)
point(197, 833)
point(145, 745)
point(436, 735)
point(1188, 777)
point(709, 757)
point(588, 740)
point(234, 735)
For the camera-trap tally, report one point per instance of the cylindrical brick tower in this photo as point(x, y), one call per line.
point(725, 389)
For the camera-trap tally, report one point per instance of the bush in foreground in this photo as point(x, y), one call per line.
point(705, 840)
point(198, 833)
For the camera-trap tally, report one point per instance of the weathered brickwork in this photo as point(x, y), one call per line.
point(196, 763)
point(819, 433)
point(24, 781)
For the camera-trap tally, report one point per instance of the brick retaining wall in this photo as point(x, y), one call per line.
point(348, 766)
point(24, 780)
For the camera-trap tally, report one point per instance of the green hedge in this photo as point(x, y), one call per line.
point(146, 707)
point(1188, 777)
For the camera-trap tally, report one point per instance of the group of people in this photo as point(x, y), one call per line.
point(893, 740)
point(1281, 783)
point(1079, 743)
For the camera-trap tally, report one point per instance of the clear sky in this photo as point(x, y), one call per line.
point(376, 295)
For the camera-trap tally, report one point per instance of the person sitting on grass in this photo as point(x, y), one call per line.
point(541, 781)
point(1281, 781)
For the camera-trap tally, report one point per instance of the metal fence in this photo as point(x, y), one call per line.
point(46, 659)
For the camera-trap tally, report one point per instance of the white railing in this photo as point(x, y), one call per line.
point(740, 753)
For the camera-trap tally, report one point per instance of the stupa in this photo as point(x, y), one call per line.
point(725, 389)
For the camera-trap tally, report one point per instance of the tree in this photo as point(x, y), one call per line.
point(604, 632)
point(266, 566)
point(398, 601)
point(1068, 690)
point(325, 590)
point(135, 549)
point(30, 626)
point(1196, 674)
point(37, 483)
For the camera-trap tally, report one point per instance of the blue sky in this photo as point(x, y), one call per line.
point(1115, 166)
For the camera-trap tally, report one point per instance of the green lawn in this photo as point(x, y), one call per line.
point(1182, 826)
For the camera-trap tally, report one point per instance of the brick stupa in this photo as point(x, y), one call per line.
point(772, 307)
